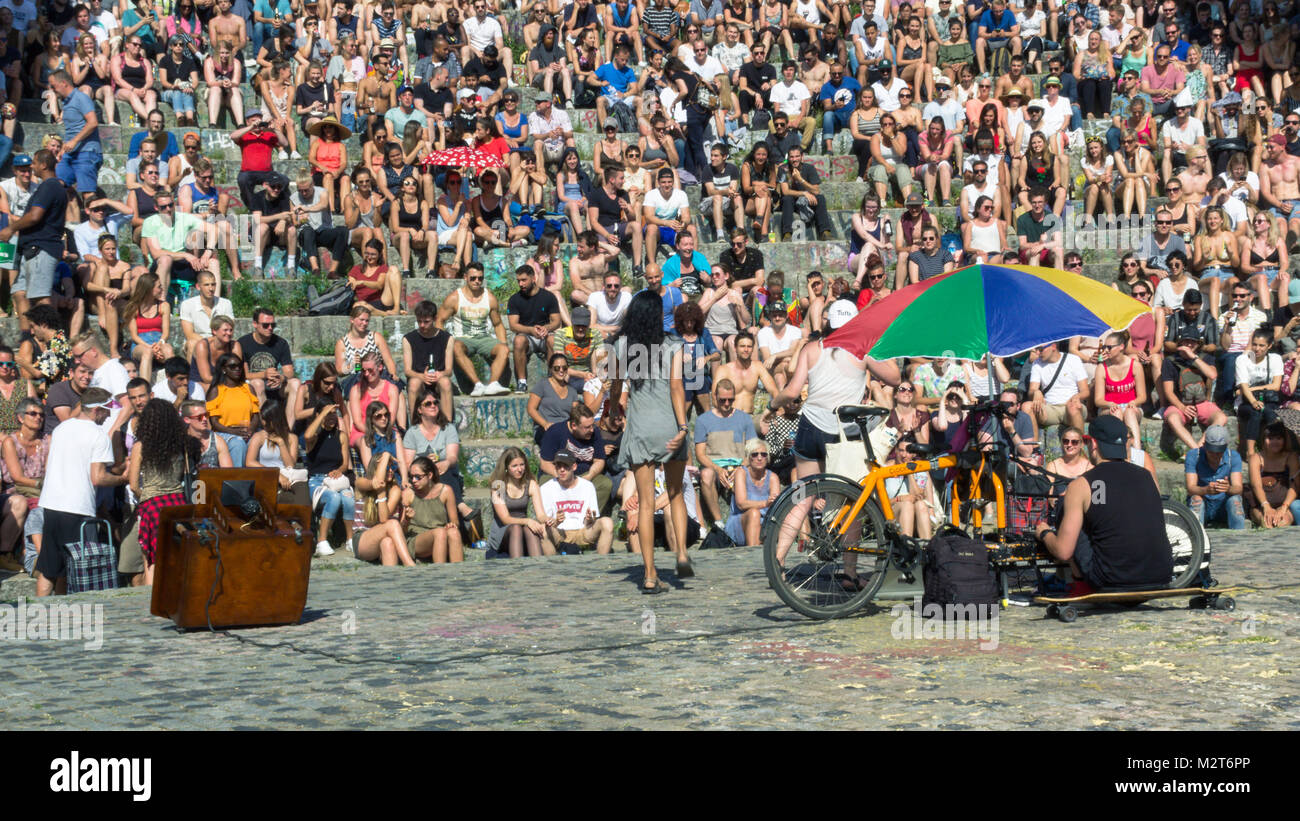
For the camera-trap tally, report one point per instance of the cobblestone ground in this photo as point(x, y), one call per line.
point(565, 643)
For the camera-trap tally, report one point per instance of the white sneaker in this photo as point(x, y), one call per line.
point(324, 549)
point(295, 156)
point(495, 388)
point(479, 389)
point(284, 155)
point(568, 104)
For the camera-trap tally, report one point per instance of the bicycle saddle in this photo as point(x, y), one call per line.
point(848, 413)
point(925, 450)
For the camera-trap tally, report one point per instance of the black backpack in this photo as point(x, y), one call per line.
point(957, 570)
point(337, 301)
point(716, 540)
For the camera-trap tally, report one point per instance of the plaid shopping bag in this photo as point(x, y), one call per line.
point(92, 561)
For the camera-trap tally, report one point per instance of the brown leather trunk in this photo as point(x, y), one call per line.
point(216, 567)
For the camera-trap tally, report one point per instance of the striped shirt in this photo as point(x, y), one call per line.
point(661, 21)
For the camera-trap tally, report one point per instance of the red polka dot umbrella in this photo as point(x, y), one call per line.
point(463, 157)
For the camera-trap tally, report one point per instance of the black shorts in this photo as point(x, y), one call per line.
point(810, 441)
point(61, 529)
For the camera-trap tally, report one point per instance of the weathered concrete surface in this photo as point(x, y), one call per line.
point(565, 643)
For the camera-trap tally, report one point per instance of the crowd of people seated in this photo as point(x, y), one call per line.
point(1180, 113)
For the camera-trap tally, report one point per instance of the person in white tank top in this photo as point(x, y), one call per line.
point(983, 238)
point(475, 325)
point(834, 377)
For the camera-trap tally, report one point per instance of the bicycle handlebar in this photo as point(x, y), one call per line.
point(996, 407)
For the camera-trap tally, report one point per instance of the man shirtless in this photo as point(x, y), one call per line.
point(227, 26)
point(1014, 78)
point(746, 372)
point(377, 92)
point(587, 269)
point(1279, 186)
point(1197, 173)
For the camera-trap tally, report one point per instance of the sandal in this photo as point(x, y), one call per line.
point(658, 587)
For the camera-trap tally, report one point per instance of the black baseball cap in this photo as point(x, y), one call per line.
point(1110, 435)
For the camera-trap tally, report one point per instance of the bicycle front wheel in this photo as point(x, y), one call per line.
point(816, 564)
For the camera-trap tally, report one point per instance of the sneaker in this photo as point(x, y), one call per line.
point(295, 156)
point(521, 386)
point(324, 549)
point(479, 389)
point(568, 104)
point(284, 155)
point(495, 388)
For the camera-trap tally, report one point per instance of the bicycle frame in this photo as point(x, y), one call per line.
point(875, 481)
point(874, 484)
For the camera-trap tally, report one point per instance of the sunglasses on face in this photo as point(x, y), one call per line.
point(1074, 442)
point(906, 389)
point(197, 417)
point(1141, 294)
point(756, 454)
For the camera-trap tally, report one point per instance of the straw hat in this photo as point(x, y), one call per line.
point(329, 119)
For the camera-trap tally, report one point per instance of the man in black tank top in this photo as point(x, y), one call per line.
point(1112, 529)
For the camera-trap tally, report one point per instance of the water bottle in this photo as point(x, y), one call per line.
point(481, 544)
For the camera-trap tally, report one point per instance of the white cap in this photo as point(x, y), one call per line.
point(841, 311)
point(1184, 99)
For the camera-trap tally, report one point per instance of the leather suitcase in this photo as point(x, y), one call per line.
point(218, 566)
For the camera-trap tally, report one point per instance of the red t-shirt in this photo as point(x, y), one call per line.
point(256, 147)
point(497, 146)
point(368, 294)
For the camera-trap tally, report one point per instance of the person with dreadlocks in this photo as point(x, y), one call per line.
point(161, 456)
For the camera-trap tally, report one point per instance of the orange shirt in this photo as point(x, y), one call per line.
point(233, 407)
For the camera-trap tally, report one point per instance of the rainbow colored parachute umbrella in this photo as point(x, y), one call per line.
point(986, 309)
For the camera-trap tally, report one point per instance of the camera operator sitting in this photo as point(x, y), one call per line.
point(1112, 529)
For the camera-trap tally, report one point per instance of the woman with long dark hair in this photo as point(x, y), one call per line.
point(322, 388)
point(758, 184)
point(148, 323)
point(650, 362)
point(429, 513)
point(274, 446)
point(436, 437)
point(381, 439)
point(1273, 471)
point(162, 455)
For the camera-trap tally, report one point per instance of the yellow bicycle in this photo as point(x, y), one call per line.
point(828, 541)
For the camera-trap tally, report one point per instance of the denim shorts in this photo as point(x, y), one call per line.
point(810, 441)
point(36, 275)
point(150, 337)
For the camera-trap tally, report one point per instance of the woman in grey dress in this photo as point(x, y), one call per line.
point(650, 362)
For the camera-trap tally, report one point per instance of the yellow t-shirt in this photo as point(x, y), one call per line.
point(233, 407)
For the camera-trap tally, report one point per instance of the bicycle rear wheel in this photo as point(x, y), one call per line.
point(1187, 539)
point(811, 566)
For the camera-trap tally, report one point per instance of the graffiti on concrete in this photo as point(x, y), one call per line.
point(216, 140)
point(478, 461)
point(493, 418)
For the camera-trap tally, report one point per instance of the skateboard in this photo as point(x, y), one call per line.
point(1201, 598)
